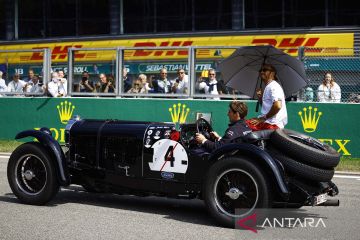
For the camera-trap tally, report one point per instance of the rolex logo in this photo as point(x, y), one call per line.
point(65, 110)
point(179, 113)
point(310, 118)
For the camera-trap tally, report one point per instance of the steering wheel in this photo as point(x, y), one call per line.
point(204, 127)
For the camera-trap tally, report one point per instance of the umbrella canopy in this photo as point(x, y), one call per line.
point(240, 70)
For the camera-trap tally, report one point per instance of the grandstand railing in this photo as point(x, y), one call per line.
point(344, 64)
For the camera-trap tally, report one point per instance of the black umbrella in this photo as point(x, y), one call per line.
point(240, 70)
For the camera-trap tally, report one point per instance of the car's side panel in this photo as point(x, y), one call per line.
point(83, 141)
point(120, 148)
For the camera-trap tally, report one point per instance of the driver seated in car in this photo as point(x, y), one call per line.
point(237, 128)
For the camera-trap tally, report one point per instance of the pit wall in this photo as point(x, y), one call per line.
point(335, 124)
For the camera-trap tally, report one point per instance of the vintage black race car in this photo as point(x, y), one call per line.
point(264, 169)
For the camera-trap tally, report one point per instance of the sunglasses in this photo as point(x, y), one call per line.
point(164, 73)
point(211, 74)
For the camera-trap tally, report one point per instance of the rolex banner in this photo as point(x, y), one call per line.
point(332, 123)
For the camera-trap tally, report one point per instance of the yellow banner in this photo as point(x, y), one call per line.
point(337, 44)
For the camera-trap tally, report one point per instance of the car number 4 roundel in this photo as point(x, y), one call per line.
point(169, 156)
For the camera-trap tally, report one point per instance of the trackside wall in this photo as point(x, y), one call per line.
point(336, 124)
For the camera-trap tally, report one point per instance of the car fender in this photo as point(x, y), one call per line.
point(259, 155)
point(44, 137)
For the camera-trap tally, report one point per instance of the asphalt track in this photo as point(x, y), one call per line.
point(76, 214)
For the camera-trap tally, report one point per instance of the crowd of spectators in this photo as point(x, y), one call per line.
point(207, 84)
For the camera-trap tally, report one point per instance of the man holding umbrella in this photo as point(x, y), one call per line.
point(273, 109)
point(243, 69)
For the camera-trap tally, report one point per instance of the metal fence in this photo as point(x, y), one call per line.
point(343, 64)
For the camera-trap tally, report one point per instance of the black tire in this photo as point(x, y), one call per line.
point(235, 175)
point(301, 169)
point(305, 148)
point(32, 174)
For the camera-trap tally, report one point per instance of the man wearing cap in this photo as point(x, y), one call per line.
point(237, 128)
point(273, 108)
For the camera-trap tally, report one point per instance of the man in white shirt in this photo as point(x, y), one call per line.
point(3, 87)
point(56, 87)
point(16, 85)
point(181, 83)
point(273, 109)
point(33, 86)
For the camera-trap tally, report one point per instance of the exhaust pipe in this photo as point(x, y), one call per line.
point(331, 202)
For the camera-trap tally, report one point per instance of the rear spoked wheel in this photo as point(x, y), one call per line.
point(234, 187)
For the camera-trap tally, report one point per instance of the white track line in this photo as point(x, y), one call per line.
point(347, 176)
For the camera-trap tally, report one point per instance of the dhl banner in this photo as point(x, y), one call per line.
point(336, 44)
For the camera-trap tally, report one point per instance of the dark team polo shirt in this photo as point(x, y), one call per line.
point(235, 130)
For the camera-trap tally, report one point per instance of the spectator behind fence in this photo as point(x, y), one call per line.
point(105, 85)
point(137, 86)
point(308, 94)
point(3, 87)
point(329, 90)
point(85, 84)
point(34, 86)
point(61, 75)
point(146, 88)
point(162, 85)
point(354, 98)
point(31, 74)
point(127, 81)
point(181, 83)
point(210, 85)
point(56, 88)
point(16, 85)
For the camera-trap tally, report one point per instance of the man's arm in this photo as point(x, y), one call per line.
point(88, 86)
point(275, 108)
point(219, 141)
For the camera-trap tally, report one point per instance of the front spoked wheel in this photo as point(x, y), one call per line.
point(32, 175)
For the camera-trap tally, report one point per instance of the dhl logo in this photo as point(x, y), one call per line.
point(57, 53)
point(145, 53)
point(291, 45)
